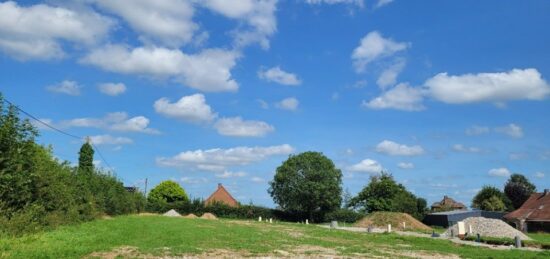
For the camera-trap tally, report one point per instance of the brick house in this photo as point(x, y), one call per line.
point(221, 195)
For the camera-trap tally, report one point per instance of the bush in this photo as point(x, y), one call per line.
point(38, 192)
point(344, 215)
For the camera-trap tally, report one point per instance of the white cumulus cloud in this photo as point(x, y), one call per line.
point(36, 31)
point(229, 174)
point(516, 84)
point(277, 75)
point(405, 165)
point(396, 149)
point(477, 130)
point(367, 166)
point(219, 159)
point(110, 140)
point(66, 87)
point(208, 70)
point(168, 22)
point(290, 104)
point(500, 172)
point(381, 3)
point(466, 149)
point(192, 108)
point(359, 3)
point(402, 97)
point(389, 75)
point(539, 175)
point(511, 130)
point(112, 89)
point(237, 127)
point(372, 47)
point(115, 121)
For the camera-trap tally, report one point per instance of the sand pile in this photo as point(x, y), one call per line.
point(190, 216)
point(382, 219)
point(208, 216)
point(172, 213)
point(488, 228)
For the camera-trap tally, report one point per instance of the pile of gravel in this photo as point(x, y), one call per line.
point(172, 213)
point(487, 228)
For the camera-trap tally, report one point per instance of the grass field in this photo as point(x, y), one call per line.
point(136, 236)
point(540, 237)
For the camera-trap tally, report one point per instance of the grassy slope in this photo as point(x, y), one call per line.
point(152, 234)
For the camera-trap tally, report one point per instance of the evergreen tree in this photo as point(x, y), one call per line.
point(86, 158)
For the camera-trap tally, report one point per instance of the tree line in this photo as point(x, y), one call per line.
point(38, 191)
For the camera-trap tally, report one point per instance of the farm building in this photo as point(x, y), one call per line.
point(221, 195)
point(534, 214)
point(447, 204)
point(449, 218)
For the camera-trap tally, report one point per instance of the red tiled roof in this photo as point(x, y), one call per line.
point(536, 208)
point(223, 196)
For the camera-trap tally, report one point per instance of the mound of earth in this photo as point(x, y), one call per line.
point(382, 219)
point(190, 216)
point(208, 216)
point(172, 213)
point(488, 228)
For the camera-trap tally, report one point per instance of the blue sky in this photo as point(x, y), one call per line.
point(448, 96)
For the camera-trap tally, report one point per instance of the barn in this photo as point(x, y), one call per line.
point(534, 214)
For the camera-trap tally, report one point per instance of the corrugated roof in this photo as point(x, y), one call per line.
point(536, 208)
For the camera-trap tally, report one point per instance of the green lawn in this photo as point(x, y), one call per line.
point(133, 236)
point(543, 237)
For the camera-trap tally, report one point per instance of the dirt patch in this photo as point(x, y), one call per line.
point(425, 255)
point(190, 216)
point(396, 219)
point(147, 214)
point(123, 251)
point(208, 216)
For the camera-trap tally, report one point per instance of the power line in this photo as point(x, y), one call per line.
point(59, 130)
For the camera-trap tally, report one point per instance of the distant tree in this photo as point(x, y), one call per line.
point(169, 192)
point(86, 158)
point(492, 199)
point(494, 203)
point(383, 193)
point(518, 189)
point(307, 184)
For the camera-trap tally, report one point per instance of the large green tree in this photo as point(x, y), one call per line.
point(168, 192)
point(307, 184)
point(492, 199)
point(518, 189)
point(383, 193)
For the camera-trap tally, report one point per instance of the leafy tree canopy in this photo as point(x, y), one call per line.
point(168, 191)
point(383, 193)
point(307, 184)
point(518, 189)
point(492, 199)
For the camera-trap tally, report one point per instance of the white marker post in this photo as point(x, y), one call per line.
point(389, 228)
point(270, 220)
point(307, 222)
point(260, 219)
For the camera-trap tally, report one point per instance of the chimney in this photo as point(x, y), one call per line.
point(219, 185)
point(546, 191)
